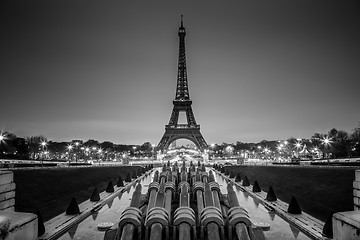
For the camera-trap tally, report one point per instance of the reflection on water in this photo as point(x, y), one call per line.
point(110, 212)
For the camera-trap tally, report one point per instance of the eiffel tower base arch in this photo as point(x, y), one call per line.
point(174, 133)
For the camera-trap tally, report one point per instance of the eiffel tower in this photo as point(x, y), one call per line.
point(182, 103)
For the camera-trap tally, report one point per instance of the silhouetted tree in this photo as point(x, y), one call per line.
point(34, 145)
point(355, 142)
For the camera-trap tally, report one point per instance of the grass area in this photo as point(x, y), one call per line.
point(50, 190)
point(319, 190)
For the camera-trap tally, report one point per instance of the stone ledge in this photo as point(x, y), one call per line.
point(19, 225)
point(346, 225)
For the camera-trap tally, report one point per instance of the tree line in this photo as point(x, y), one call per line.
point(340, 144)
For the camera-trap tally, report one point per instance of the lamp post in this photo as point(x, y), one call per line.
point(266, 151)
point(99, 152)
point(2, 138)
point(87, 150)
point(326, 141)
point(212, 150)
point(77, 150)
point(134, 148)
point(259, 151)
point(92, 153)
point(279, 148)
point(69, 148)
point(43, 145)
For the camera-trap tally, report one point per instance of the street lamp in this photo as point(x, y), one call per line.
point(99, 154)
point(2, 138)
point(327, 142)
point(69, 148)
point(43, 145)
point(134, 148)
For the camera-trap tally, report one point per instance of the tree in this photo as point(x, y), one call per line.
point(354, 142)
point(34, 145)
point(342, 144)
point(108, 146)
point(91, 143)
point(339, 143)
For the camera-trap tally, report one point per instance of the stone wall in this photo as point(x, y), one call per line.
point(7, 191)
point(14, 225)
point(346, 225)
point(356, 191)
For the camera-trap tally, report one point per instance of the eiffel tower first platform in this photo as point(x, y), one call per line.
point(182, 103)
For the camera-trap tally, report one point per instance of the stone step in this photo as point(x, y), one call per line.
point(6, 177)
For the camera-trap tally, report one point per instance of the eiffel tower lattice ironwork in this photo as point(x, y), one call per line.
point(182, 103)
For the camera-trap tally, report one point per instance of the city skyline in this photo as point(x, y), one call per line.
point(107, 71)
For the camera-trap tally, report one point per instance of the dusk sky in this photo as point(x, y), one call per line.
point(107, 70)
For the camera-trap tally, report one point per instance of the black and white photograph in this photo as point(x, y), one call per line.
point(179, 120)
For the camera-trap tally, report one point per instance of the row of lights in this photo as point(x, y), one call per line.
point(325, 141)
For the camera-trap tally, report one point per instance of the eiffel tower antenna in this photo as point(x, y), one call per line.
point(182, 103)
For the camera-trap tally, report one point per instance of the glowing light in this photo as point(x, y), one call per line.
point(69, 147)
point(2, 138)
point(43, 143)
point(326, 141)
point(77, 143)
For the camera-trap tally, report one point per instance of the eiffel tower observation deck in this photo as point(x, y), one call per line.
point(182, 103)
